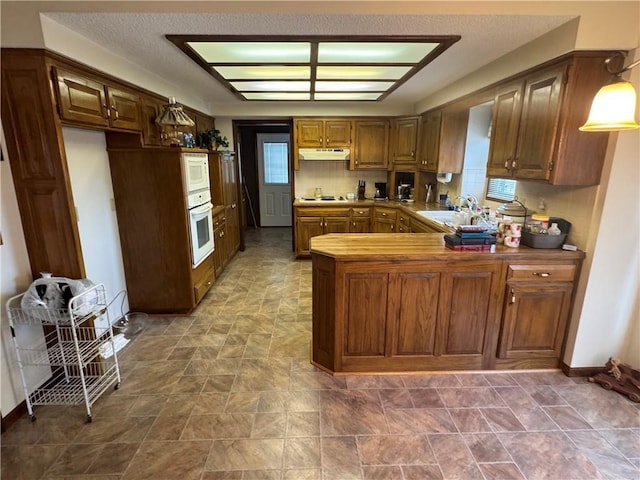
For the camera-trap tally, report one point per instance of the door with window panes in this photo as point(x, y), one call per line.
point(275, 184)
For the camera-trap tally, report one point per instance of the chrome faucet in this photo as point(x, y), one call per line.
point(471, 201)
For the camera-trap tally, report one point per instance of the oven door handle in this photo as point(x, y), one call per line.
point(202, 209)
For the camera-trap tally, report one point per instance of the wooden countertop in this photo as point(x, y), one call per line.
point(417, 246)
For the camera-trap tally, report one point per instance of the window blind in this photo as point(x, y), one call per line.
point(501, 189)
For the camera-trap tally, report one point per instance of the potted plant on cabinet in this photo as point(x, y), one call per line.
point(212, 139)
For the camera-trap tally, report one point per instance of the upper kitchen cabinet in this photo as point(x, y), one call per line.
point(404, 140)
point(319, 133)
point(88, 102)
point(371, 145)
point(443, 136)
point(151, 107)
point(535, 124)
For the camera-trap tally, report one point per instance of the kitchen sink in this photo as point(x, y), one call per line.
point(440, 216)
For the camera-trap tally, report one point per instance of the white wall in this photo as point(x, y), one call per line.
point(88, 164)
point(609, 315)
point(334, 178)
point(476, 151)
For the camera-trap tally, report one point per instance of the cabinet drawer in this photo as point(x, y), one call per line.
point(204, 280)
point(542, 273)
point(360, 212)
point(403, 219)
point(380, 212)
point(322, 212)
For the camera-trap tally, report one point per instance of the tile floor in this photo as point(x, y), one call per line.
point(228, 393)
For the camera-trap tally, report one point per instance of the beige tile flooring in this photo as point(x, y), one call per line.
point(228, 393)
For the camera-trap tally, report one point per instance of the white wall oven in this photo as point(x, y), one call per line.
point(199, 206)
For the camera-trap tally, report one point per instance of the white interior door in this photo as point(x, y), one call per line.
point(275, 184)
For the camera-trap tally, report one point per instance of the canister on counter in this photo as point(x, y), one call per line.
point(539, 223)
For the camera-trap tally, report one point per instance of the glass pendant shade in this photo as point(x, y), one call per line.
point(613, 108)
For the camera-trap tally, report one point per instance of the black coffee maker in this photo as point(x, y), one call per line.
point(381, 191)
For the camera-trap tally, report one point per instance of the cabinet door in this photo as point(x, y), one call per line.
point(309, 133)
point(229, 179)
point(233, 228)
point(384, 225)
point(307, 228)
point(430, 141)
point(453, 139)
point(539, 124)
point(337, 133)
point(507, 106)
point(360, 225)
point(535, 317)
point(151, 132)
point(371, 148)
point(404, 140)
point(336, 224)
point(219, 253)
point(124, 109)
point(366, 314)
point(465, 308)
point(81, 99)
point(417, 313)
point(419, 227)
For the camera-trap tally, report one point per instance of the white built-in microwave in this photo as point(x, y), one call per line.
point(195, 167)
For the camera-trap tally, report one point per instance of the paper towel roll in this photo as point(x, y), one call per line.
point(443, 177)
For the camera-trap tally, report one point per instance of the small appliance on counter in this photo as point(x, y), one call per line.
point(361, 188)
point(404, 192)
point(381, 191)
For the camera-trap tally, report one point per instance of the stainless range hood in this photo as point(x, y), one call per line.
point(334, 154)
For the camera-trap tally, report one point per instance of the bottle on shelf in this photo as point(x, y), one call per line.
point(554, 230)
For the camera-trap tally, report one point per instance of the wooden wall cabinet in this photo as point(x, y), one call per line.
point(371, 145)
point(404, 140)
point(322, 133)
point(537, 304)
point(92, 102)
point(443, 139)
point(535, 124)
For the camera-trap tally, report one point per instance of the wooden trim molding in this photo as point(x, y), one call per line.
point(13, 416)
point(581, 371)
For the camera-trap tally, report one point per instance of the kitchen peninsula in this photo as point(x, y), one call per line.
point(404, 302)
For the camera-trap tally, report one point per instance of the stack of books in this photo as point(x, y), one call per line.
point(470, 237)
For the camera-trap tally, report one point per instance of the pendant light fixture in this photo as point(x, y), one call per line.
point(613, 107)
point(174, 117)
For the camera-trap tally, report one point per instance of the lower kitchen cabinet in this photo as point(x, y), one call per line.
point(384, 220)
point(202, 278)
point(428, 308)
point(403, 225)
point(360, 220)
point(391, 317)
point(221, 253)
point(536, 311)
point(314, 221)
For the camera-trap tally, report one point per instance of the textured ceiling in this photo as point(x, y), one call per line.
point(139, 37)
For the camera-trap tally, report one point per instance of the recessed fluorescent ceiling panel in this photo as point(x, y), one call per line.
point(313, 68)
